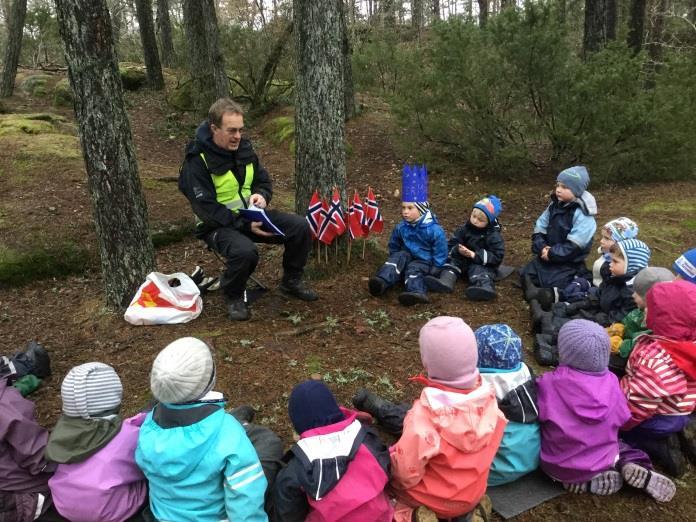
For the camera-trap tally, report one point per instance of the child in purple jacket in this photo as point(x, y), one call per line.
point(24, 473)
point(581, 408)
point(97, 477)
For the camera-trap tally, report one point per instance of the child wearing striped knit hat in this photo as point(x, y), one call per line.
point(97, 477)
point(615, 230)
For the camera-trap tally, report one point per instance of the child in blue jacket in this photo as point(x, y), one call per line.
point(500, 365)
point(562, 239)
point(197, 458)
point(418, 245)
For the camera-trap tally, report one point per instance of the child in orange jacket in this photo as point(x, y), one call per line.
point(450, 434)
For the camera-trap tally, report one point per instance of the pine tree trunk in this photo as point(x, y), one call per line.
point(436, 9)
point(116, 12)
point(347, 52)
point(636, 25)
point(215, 56)
point(268, 71)
point(120, 212)
point(202, 78)
point(13, 47)
point(153, 67)
point(417, 14)
point(164, 32)
point(656, 41)
point(319, 120)
point(600, 24)
point(483, 12)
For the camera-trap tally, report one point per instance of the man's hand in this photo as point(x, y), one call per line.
point(545, 253)
point(256, 228)
point(257, 200)
point(466, 252)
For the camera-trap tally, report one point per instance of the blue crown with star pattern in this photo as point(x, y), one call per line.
point(414, 183)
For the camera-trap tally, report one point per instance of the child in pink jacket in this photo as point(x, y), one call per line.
point(452, 431)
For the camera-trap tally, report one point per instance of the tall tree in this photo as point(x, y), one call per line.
point(205, 74)
point(347, 52)
point(215, 56)
point(636, 25)
point(436, 9)
point(483, 12)
point(319, 120)
point(153, 67)
point(258, 97)
point(164, 33)
point(417, 14)
point(13, 47)
point(120, 212)
point(600, 24)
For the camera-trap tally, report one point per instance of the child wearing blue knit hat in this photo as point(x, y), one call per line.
point(476, 250)
point(562, 239)
point(500, 365)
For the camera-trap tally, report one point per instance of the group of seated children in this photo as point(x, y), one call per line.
point(481, 419)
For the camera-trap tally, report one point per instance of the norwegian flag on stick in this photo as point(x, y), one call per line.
point(355, 217)
point(314, 215)
point(336, 213)
point(327, 230)
point(374, 215)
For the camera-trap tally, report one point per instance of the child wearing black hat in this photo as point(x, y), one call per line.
point(337, 470)
point(476, 250)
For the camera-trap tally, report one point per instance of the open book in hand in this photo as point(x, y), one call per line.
point(254, 213)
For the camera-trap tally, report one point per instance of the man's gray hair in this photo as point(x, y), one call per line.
point(220, 107)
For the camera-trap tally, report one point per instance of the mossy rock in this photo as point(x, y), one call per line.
point(62, 94)
point(181, 97)
point(18, 124)
point(132, 77)
point(36, 85)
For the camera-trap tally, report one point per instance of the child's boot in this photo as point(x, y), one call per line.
point(545, 296)
point(481, 290)
point(545, 352)
point(34, 360)
point(443, 284)
point(538, 315)
point(687, 438)
point(413, 298)
point(377, 286)
point(365, 400)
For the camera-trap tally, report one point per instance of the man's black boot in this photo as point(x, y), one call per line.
point(295, 287)
point(443, 284)
point(237, 309)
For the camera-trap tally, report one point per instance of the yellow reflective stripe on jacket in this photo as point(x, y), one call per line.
point(227, 188)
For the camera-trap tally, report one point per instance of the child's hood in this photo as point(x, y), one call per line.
point(590, 396)
point(466, 421)
point(182, 437)
point(427, 219)
point(326, 453)
point(587, 203)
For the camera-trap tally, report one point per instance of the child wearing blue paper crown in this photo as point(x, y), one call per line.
point(500, 365)
point(562, 238)
point(476, 250)
point(418, 245)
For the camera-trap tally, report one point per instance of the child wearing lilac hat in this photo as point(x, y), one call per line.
point(581, 408)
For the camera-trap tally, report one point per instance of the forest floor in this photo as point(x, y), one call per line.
point(348, 337)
